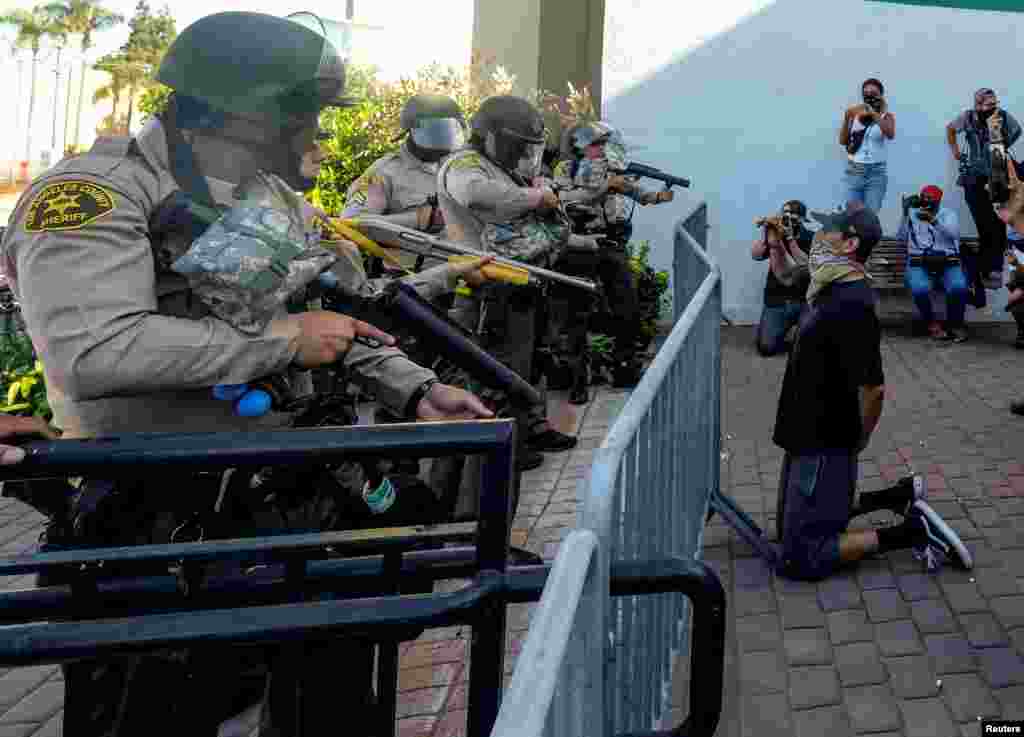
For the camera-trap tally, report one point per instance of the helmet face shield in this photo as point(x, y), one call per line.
point(439, 135)
point(330, 78)
point(339, 35)
point(530, 161)
point(615, 153)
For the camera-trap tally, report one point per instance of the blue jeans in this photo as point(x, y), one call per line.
point(775, 321)
point(954, 282)
point(817, 492)
point(866, 183)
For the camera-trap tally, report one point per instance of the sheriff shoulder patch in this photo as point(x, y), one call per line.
point(68, 205)
point(467, 160)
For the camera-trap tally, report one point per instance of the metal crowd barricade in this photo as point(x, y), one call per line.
point(597, 666)
point(126, 600)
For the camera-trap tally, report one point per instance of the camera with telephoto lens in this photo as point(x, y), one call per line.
point(787, 224)
point(912, 202)
point(793, 223)
point(917, 202)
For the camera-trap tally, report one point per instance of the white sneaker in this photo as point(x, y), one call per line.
point(941, 536)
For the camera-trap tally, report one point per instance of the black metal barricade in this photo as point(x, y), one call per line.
point(129, 600)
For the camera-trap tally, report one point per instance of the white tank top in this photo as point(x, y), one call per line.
point(872, 150)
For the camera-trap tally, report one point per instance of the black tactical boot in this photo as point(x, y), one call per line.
point(579, 394)
point(559, 374)
point(529, 460)
point(552, 441)
point(626, 373)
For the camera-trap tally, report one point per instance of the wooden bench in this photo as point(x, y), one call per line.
point(888, 263)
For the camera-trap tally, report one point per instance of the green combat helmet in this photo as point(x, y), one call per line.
point(510, 132)
point(581, 135)
point(256, 80)
point(256, 65)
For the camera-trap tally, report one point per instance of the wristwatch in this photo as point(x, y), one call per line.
point(417, 397)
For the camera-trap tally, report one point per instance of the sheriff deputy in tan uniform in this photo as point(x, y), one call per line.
point(487, 186)
point(128, 348)
point(399, 187)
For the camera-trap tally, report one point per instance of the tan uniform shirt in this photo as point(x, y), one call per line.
point(473, 191)
point(125, 345)
point(588, 190)
point(394, 188)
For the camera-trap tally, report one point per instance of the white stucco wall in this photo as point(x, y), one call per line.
point(745, 98)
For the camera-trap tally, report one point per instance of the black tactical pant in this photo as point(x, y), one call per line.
point(991, 230)
point(504, 320)
point(192, 691)
point(574, 307)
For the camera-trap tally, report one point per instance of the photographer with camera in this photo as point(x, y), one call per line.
point(1012, 213)
point(784, 243)
point(866, 129)
point(1015, 283)
point(985, 267)
point(1009, 213)
point(932, 235)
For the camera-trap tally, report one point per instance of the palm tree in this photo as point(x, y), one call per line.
point(32, 26)
point(87, 18)
point(138, 80)
point(150, 37)
point(114, 65)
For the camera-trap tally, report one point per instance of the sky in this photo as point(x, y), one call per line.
point(405, 36)
point(411, 34)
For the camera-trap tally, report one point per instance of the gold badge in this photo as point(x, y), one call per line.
point(68, 206)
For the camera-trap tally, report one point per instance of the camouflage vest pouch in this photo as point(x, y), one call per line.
point(254, 258)
point(527, 239)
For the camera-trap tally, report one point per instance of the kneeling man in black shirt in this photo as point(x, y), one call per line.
point(830, 403)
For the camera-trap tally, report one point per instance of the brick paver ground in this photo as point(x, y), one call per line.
point(883, 649)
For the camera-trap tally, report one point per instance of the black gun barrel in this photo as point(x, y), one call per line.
point(642, 170)
point(420, 318)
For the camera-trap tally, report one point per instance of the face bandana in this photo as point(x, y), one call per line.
point(827, 265)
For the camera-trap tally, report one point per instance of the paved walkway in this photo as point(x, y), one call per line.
point(883, 649)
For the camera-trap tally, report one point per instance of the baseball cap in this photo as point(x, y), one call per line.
point(932, 193)
point(862, 223)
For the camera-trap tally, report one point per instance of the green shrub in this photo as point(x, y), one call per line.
point(369, 130)
point(21, 378)
point(655, 299)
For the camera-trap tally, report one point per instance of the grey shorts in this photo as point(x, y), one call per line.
point(818, 492)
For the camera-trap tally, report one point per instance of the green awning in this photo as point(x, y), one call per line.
point(1006, 6)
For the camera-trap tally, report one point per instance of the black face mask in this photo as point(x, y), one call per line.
point(986, 114)
point(873, 102)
